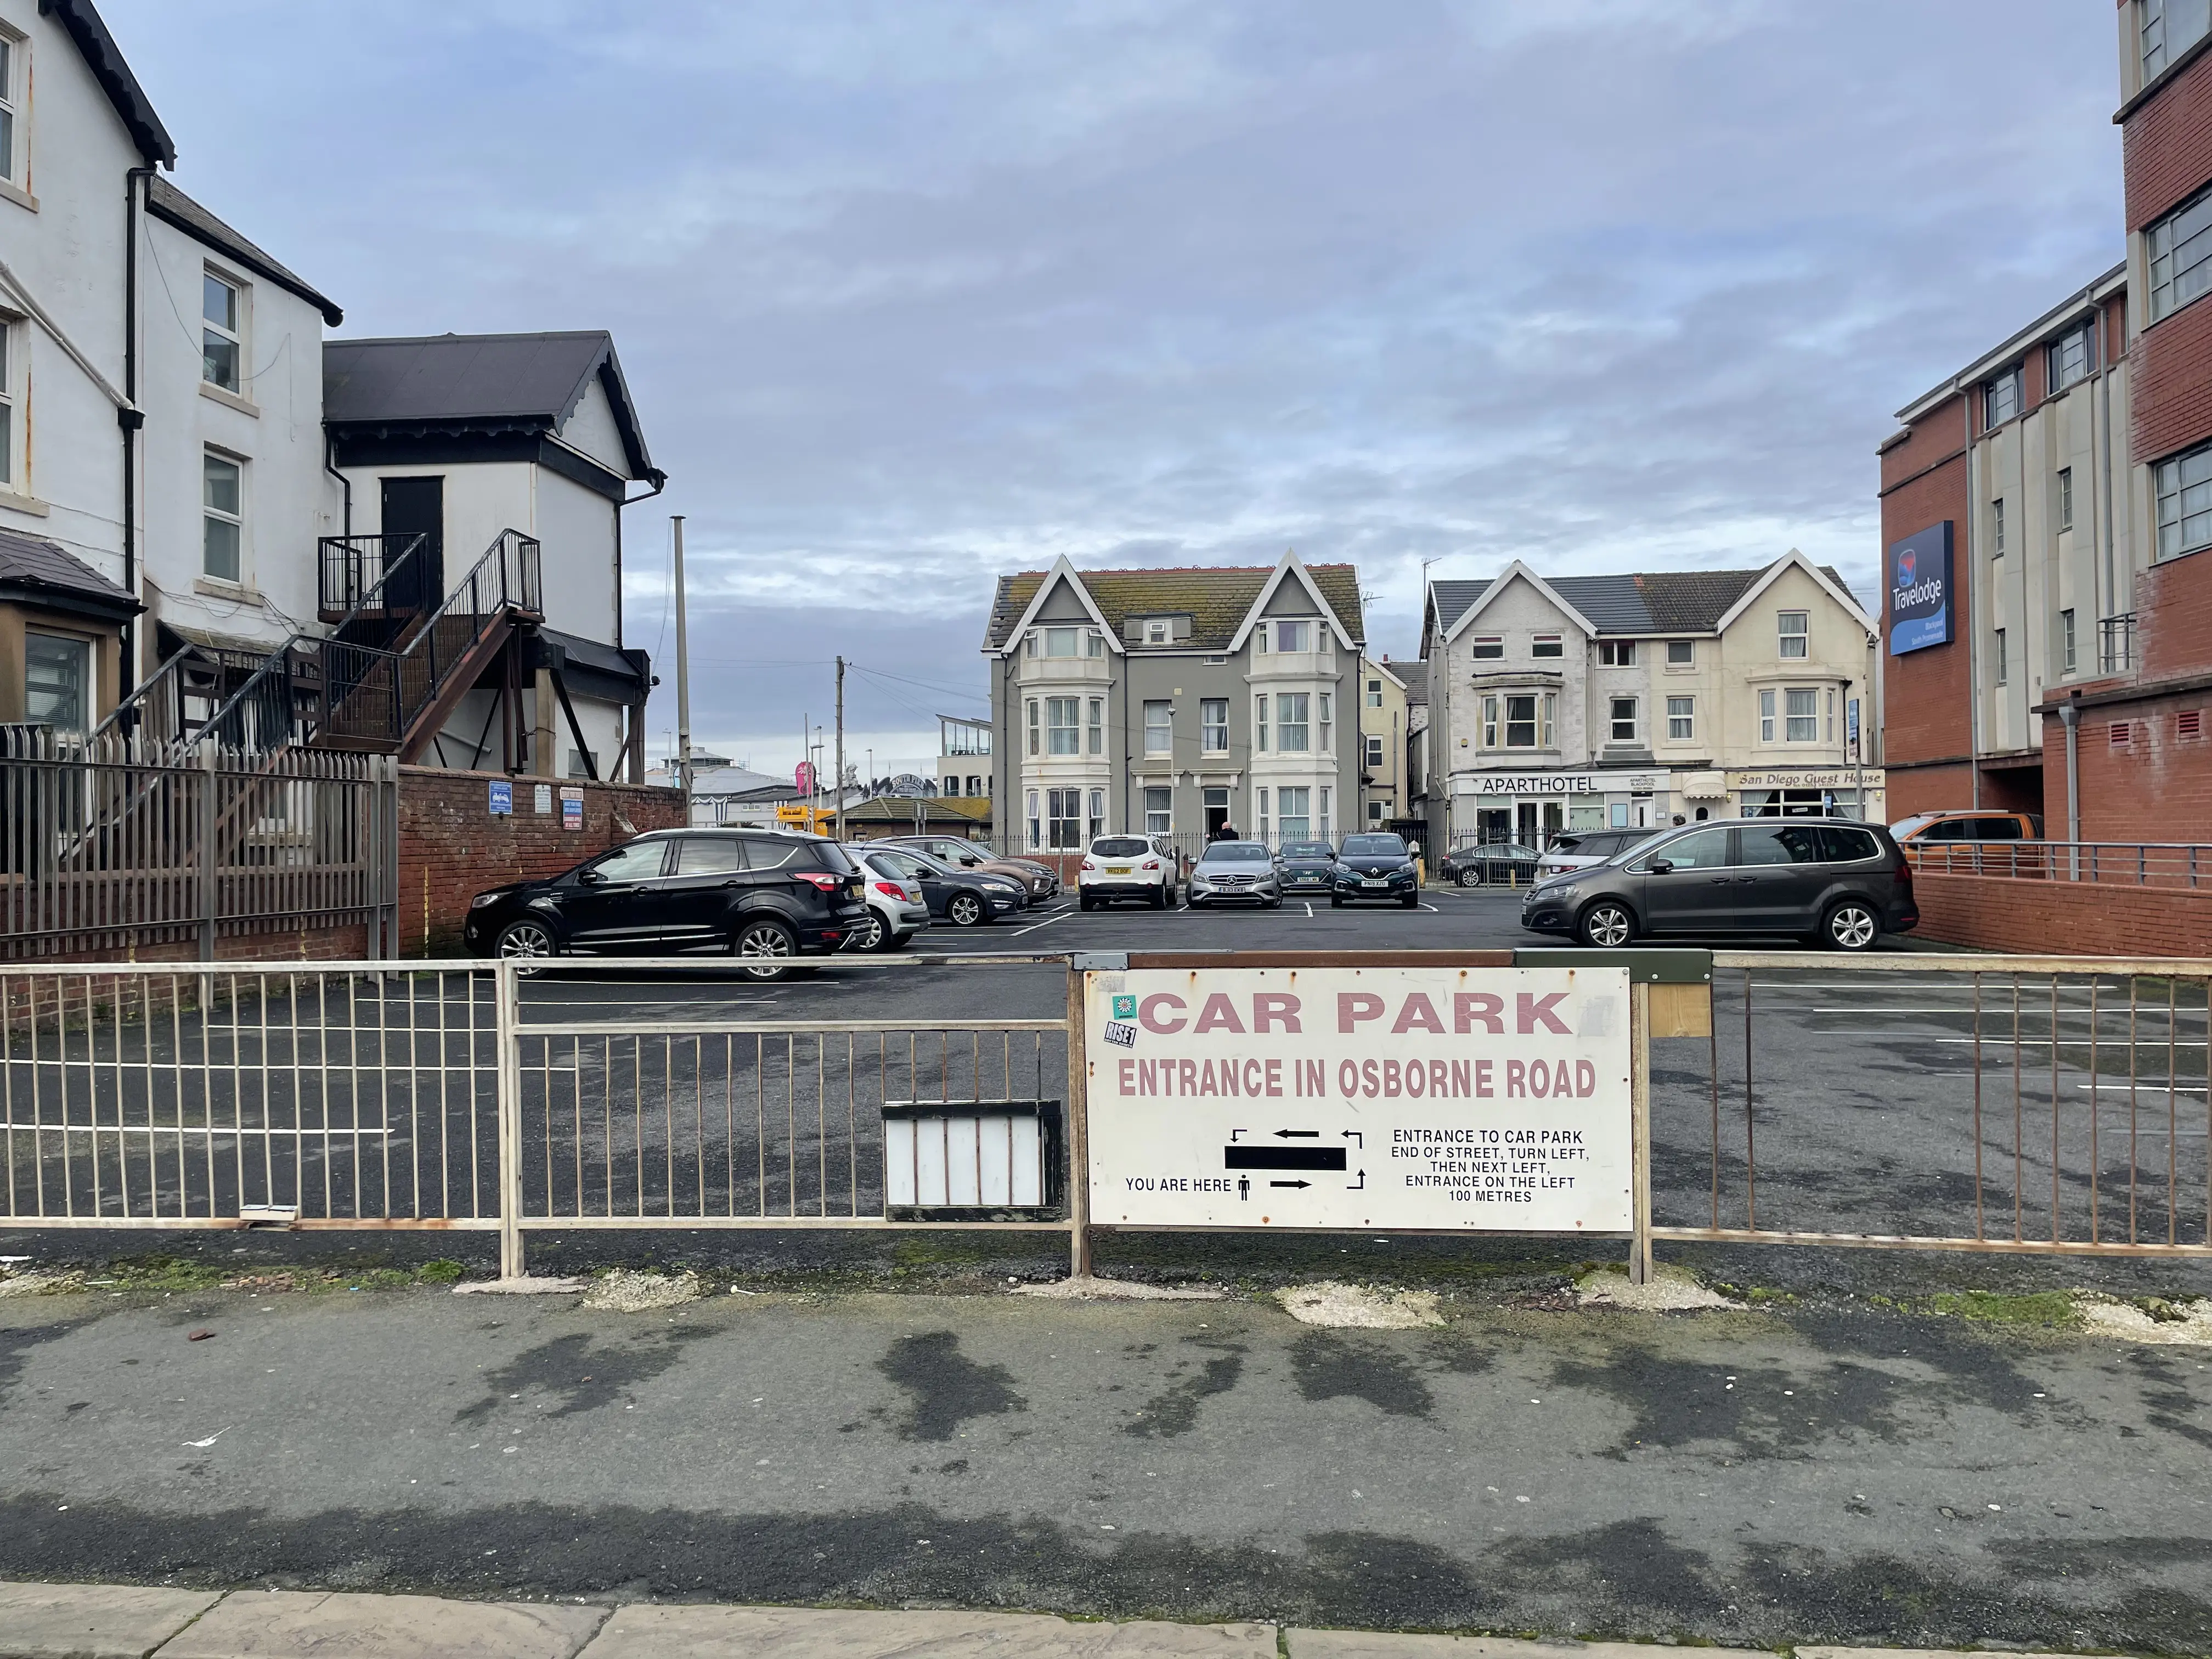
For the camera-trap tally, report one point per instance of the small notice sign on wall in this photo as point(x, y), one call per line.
point(572, 807)
point(502, 797)
point(543, 794)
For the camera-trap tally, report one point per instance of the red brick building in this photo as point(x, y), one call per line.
point(2066, 477)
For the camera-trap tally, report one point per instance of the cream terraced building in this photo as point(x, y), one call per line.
point(1631, 701)
point(1172, 702)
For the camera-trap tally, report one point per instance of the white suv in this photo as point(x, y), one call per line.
point(1125, 867)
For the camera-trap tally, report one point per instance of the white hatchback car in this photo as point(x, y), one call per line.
point(1125, 867)
point(897, 909)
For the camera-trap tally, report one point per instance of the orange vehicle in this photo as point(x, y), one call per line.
point(1966, 824)
point(1970, 843)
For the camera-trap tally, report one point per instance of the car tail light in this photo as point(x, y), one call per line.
point(1088, 865)
point(1150, 863)
point(821, 879)
point(891, 889)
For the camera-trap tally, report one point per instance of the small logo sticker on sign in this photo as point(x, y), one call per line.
point(1121, 1036)
point(1125, 1007)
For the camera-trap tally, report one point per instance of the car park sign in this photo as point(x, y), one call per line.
point(1476, 1099)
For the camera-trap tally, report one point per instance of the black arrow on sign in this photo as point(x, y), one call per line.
point(1297, 1134)
point(1289, 1183)
point(1358, 1184)
point(1354, 1134)
point(1233, 1134)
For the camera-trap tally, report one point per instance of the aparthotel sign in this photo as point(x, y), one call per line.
point(1478, 1098)
point(1530, 783)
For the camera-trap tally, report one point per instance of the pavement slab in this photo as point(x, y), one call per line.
point(1399, 1644)
point(293, 1625)
point(715, 1632)
point(92, 1621)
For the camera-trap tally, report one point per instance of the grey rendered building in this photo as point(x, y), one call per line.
point(1171, 702)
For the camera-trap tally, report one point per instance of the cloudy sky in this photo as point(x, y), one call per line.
point(912, 293)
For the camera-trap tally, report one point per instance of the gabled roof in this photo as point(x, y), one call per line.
point(167, 203)
point(1640, 603)
point(38, 572)
point(1063, 573)
point(1490, 590)
point(1218, 601)
point(1291, 566)
point(477, 383)
point(105, 59)
point(1794, 560)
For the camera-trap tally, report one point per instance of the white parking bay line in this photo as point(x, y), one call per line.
point(1433, 909)
point(1309, 904)
point(1033, 926)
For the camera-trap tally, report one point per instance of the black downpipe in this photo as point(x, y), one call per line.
point(329, 465)
point(131, 418)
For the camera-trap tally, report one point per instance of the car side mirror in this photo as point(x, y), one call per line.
point(1660, 866)
point(971, 861)
point(590, 877)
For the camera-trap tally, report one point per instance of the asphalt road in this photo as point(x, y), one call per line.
point(1751, 1478)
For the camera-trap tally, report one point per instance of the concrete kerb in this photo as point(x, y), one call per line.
point(94, 1621)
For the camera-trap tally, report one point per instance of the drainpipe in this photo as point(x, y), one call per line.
point(329, 465)
point(2070, 716)
point(131, 418)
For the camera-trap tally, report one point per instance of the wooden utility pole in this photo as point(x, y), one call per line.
point(841, 749)
point(683, 677)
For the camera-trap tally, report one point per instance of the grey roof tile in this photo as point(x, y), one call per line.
point(31, 562)
point(1642, 602)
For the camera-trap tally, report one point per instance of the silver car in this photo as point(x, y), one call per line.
point(1236, 872)
point(897, 909)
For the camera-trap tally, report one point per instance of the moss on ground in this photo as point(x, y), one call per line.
point(2043, 1309)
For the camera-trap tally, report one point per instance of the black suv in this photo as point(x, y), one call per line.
point(1842, 885)
point(1375, 868)
point(754, 894)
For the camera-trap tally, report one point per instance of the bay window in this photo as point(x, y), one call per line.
point(1096, 729)
point(1293, 822)
point(1291, 724)
point(1061, 718)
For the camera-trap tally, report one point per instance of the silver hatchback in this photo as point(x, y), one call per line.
point(1236, 872)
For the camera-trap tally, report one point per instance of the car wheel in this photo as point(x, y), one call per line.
point(873, 935)
point(1083, 901)
point(527, 939)
point(1334, 902)
point(1159, 899)
point(1411, 902)
point(1608, 924)
point(1275, 903)
point(1852, 925)
point(765, 948)
point(963, 910)
point(1470, 878)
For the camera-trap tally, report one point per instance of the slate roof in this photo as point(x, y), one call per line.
point(165, 201)
point(41, 572)
point(1415, 672)
point(481, 383)
point(1647, 602)
point(1217, 599)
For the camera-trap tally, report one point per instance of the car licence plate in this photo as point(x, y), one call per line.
point(1374, 881)
point(1118, 869)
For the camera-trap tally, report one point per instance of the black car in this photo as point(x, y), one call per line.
point(1307, 866)
point(754, 894)
point(1375, 868)
point(1493, 864)
point(966, 898)
point(1842, 885)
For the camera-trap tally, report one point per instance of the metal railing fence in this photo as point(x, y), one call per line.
point(2124, 864)
point(123, 844)
point(2052, 1105)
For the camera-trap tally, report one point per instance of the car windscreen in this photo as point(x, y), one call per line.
point(1120, 847)
point(1308, 849)
point(1373, 847)
point(1236, 852)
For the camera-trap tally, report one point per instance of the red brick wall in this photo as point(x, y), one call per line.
point(2157, 788)
point(2171, 399)
point(451, 849)
point(2167, 144)
point(2036, 918)
point(2173, 612)
point(1927, 789)
point(1925, 713)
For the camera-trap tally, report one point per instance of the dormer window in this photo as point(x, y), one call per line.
point(1159, 631)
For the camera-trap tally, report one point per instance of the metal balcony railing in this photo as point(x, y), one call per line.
point(2116, 644)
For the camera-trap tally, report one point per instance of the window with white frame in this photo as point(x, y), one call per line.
point(1791, 631)
point(11, 80)
point(1035, 828)
point(1623, 719)
point(1293, 636)
point(1064, 819)
point(1766, 715)
point(1094, 643)
point(222, 331)
point(1062, 717)
point(1375, 811)
point(1548, 644)
point(2184, 501)
point(1062, 642)
point(10, 397)
point(1035, 737)
point(2066, 642)
point(1294, 819)
point(1521, 721)
point(1097, 815)
point(1263, 813)
point(1159, 727)
point(1682, 720)
point(1490, 705)
point(57, 681)
point(1260, 723)
point(2072, 356)
point(1160, 810)
point(1487, 648)
point(1327, 711)
point(2065, 498)
point(222, 517)
point(1374, 754)
point(1159, 631)
point(1800, 721)
point(2169, 27)
point(1291, 729)
point(2180, 249)
point(2001, 398)
point(1998, 528)
point(1095, 726)
point(1321, 829)
point(1213, 726)
point(1616, 654)
point(1998, 658)
point(1681, 654)
point(1374, 694)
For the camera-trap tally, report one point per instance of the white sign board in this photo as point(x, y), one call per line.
point(1483, 1098)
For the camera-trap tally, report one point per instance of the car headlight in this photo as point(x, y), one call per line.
point(1001, 887)
point(482, 899)
point(1565, 889)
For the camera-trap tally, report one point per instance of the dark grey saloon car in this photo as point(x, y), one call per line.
point(1841, 884)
